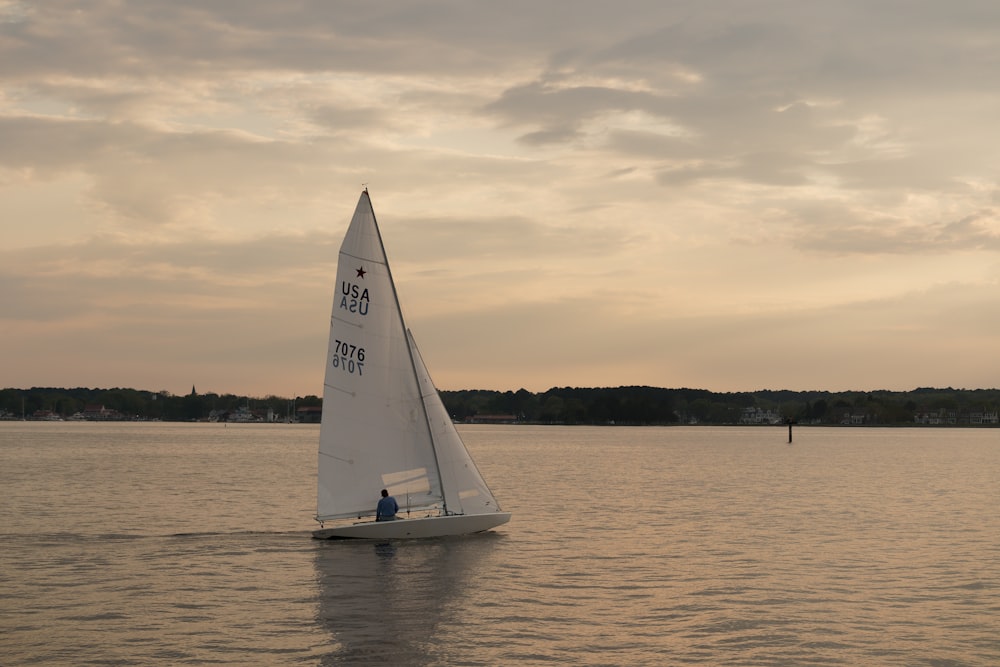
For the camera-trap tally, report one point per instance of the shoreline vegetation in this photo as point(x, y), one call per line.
point(626, 406)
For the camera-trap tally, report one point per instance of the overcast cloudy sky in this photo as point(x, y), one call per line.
point(721, 195)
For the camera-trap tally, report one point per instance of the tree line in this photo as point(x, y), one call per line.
point(136, 404)
point(637, 405)
point(652, 405)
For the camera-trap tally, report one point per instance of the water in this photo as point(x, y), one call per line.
point(170, 544)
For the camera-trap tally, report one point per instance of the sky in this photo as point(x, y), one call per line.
point(732, 196)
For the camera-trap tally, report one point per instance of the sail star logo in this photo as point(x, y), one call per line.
point(353, 297)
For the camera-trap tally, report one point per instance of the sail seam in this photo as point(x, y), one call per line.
point(356, 325)
point(331, 456)
point(367, 259)
point(336, 388)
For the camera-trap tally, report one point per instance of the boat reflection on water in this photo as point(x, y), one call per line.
point(392, 602)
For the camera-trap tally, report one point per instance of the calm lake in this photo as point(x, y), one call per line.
point(171, 544)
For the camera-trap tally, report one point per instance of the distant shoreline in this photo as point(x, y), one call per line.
point(620, 406)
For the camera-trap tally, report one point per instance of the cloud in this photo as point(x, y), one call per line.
point(107, 312)
point(572, 193)
point(872, 343)
point(145, 175)
point(835, 229)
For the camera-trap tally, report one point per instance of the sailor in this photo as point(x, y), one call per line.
point(387, 508)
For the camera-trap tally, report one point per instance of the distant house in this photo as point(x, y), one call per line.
point(760, 416)
point(979, 418)
point(937, 417)
point(309, 415)
point(96, 412)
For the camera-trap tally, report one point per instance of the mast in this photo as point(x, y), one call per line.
point(409, 352)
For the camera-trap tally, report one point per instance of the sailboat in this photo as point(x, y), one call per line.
point(384, 425)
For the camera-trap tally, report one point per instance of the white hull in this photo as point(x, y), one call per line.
point(436, 526)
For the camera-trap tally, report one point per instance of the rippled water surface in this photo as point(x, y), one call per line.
point(143, 544)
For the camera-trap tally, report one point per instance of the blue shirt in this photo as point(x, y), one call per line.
point(387, 508)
